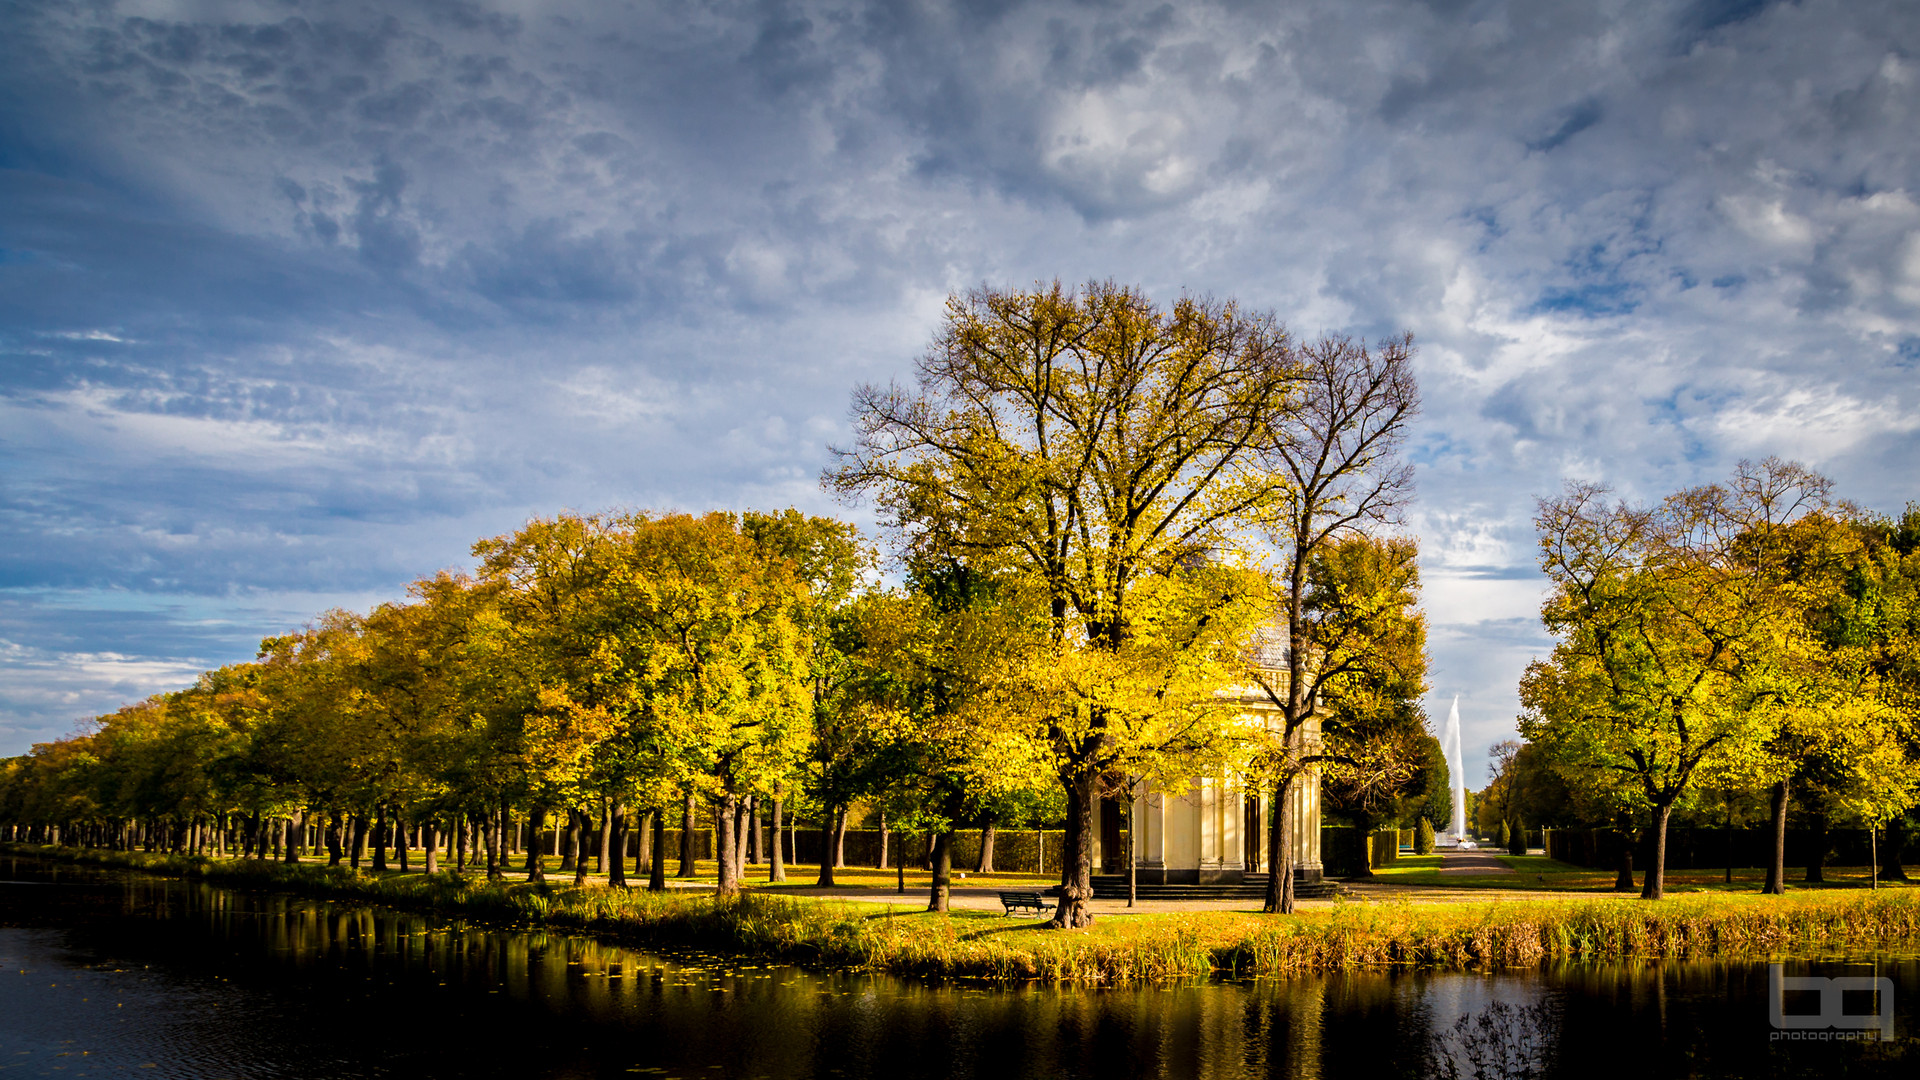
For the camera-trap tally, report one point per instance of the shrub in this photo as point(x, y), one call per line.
point(1506, 839)
point(1423, 838)
point(1517, 843)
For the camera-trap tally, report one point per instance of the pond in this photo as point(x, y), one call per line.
point(108, 972)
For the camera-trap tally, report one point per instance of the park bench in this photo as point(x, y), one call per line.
point(1025, 901)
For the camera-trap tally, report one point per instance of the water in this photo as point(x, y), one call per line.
point(115, 973)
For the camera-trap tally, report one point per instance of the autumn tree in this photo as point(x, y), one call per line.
point(1099, 446)
point(1363, 601)
point(1868, 634)
point(848, 753)
point(946, 659)
point(723, 691)
point(1670, 665)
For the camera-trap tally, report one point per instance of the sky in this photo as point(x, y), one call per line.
point(298, 300)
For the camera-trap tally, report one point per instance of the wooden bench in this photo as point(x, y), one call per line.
point(1025, 901)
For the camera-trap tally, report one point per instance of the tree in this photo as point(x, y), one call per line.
point(1668, 667)
point(1102, 448)
point(556, 684)
point(947, 661)
point(1337, 452)
point(1869, 633)
point(848, 758)
point(725, 679)
point(1373, 731)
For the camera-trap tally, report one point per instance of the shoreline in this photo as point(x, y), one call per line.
point(889, 938)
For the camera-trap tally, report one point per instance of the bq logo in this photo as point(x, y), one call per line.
point(1833, 1023)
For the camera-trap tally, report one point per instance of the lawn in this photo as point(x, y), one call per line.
point(1539, 874)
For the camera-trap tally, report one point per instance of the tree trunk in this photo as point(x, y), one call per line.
point(840, 838)
point(883, 839)
point(1076, 873)
point(724, 835)
point(400, 842)
point(1656, 879)
point(359, 849)
point(380, 839)
point(1133, 873)
point(741, 835)
point(1889, 855)
point(570, 850)
point(643, 842)
point(1817, 851)
point(296, 833)
point(986, 850)
point(657, 872)
point(334, 837)
point(1280, 853)
point(536, 867)
point(616, 846)
point(1777, 858)
point(686, 835)
point(1623, 881)
point(753, 830)
point(777, 869)
point(490, 835)
point(942, 871)
point(463, 841)
point(432, 839)
point(578, 817)
point(605, 837)
point(826, 850)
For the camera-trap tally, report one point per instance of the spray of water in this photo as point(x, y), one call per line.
point(1456, 770)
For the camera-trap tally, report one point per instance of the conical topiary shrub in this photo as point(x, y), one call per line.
point(1423, 838)
point(1506, 839)
point(1517, 842)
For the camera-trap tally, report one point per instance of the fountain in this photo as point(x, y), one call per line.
point(1456, 776)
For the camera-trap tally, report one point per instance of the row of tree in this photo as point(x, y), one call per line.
point(1753, 639)
point(1107, 521)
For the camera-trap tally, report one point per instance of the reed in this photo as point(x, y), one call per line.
point(1482, 935)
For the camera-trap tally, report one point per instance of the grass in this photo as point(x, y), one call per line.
point(1539, 874)
point(901, 939)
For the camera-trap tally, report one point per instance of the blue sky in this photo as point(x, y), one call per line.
point(299, 299)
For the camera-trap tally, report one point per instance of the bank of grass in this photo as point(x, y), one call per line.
point(879, 937)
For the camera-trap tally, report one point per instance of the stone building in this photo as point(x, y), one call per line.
point(1214, 832)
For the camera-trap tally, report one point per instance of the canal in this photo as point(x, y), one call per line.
point(117, 973)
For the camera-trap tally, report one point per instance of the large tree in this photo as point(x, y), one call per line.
point(1104, 448)
point(1374, 738)
point(848, 754)
point(1675, 659)
point(1337, 452)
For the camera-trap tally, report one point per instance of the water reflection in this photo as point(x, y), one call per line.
point(204, 981)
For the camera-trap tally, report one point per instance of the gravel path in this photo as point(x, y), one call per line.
point(1474, 863)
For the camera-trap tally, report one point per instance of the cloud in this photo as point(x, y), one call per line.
point(307, 299)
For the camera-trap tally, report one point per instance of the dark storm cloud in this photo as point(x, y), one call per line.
point(299, 299)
